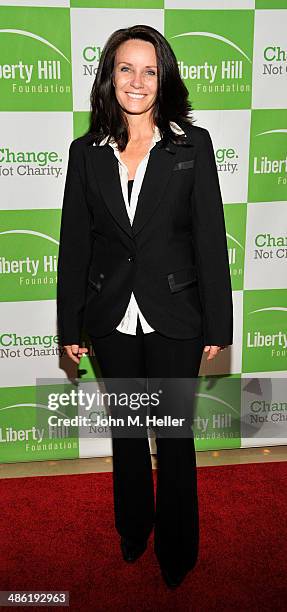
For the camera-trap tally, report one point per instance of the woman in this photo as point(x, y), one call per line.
point(143, 266)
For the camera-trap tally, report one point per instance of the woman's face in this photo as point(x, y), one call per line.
point(135, 76)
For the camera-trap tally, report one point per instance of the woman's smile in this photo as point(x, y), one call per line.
point(136, 96)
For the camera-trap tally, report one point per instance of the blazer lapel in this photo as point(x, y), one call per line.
point(105, 168)
point(158, 170)
point(160, 165)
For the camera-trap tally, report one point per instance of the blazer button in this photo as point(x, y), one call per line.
point(130, 259)
point(102, 275)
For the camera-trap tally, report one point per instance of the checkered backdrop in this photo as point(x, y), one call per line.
point(232, 56)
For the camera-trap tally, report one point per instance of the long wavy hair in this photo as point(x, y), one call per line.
point(171, 104)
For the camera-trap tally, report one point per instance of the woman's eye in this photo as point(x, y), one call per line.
point(149, 72)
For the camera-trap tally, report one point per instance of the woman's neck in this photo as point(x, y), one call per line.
point(140, 129)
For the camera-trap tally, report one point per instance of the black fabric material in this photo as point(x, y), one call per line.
point(130, 186)
point(173, 257)
point(174, 513)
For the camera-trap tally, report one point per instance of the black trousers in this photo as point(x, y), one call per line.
point(174, 516)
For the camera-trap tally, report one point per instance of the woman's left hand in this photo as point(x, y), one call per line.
point(213, 350)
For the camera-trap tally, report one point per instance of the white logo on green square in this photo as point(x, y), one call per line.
point(214, 52)
point(29, 242)
point(217, 412)
point(268, 156)
point(25, 433)
point(264, 330)
point(35, 64)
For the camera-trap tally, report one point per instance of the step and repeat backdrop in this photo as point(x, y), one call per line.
point(232, 56)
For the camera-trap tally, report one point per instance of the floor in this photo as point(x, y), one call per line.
point(105, 464)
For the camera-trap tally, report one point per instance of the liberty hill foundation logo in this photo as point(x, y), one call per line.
point(268, 156)
point(217, 418)
point(28, 254)
point(265, 330)
point(35, 65)
point(24, 431)
point(214, 51)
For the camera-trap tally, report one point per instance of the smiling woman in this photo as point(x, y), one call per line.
point(144, 268)
point(135, 84)
point(137, 76)
point(136, 90)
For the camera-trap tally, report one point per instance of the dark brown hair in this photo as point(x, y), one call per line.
point(107, 117)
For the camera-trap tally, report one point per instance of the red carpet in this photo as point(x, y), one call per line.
point(57, 533)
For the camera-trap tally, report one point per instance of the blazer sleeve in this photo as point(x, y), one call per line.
point(210, 245)
point(74, 251)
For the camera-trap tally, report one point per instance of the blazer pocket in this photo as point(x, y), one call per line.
point(184, 165)
point(181, 278)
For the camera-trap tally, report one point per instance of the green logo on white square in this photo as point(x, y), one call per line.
point(268, 156)
point(35, 64)
point(264, 330)
point(214, 52)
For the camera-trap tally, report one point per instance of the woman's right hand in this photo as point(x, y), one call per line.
point(75, 352)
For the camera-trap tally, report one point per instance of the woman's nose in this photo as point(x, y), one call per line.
point(137, 80)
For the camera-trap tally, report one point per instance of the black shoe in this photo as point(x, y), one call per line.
point(173, 578)
point(132, 549)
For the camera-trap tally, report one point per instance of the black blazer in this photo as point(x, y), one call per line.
point(173, 257)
